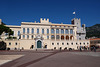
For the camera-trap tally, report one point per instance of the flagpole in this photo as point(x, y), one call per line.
point(75, 13)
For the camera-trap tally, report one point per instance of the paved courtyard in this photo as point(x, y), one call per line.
point(41, 58)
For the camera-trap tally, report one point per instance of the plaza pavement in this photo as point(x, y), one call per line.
point(52, 59)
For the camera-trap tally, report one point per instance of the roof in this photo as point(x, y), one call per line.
point(95, 39)
point(13, 26)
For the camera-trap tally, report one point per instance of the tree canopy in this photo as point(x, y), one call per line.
point(5, 29)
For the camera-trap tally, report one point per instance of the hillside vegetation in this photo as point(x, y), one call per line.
point(93, 31)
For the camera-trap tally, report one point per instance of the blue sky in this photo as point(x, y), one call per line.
point(13, 12)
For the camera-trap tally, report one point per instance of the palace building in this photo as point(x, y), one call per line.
point(47, 35)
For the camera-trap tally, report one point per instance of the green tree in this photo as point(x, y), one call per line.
point(5, 29)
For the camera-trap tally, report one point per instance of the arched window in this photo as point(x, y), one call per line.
point(71, 37)
point(62, 37)
point(57, 36)
point(52, 37)
point(67, 37)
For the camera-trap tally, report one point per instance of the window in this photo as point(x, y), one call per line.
point(52, 43)
point(72, 43)
point(18, 33)
point(9, 43)
point(67, 37)
point(32, 30)
point(79, 38)
point(47, 37)
point(67, 43)
point(32, 36)
point(84, 43)
point(76, 43)
point(87, 43)
point(37, 31)
point(55, 26)
point(57, 43)
point(42, 31)
point(13, 33)
point(27, 36)
point(62, 37)
point(62, 31)
point(98, 41)
point(47, 31)
point(15, 43)
point(80, 43)
point(52, 31)
point(57, 31)
point(71, 31)
point(27, 30)
point(79, 34)
point(23, 30)
point(66, 31)
point(52, 37)
point(68, 26)
point(57, 36)
point(23, 36)
point(62, 43)
point(71, 37)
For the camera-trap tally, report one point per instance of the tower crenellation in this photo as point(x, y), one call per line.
point(44, 20)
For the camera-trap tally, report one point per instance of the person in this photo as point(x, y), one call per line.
point(94, 49)
point(36, 49)
point(80, 48)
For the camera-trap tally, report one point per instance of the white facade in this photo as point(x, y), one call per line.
point(46, 35)
point(81, 31)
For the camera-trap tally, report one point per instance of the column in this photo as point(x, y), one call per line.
point(64, 35)
point(69, 33)
point(55, 33)
point(60, 34)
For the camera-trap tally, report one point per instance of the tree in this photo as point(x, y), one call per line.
point(5, 29)
point(2, 45)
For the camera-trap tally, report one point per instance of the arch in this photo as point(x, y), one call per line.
point(32, 46)
point(67, 37)
point(62, 37)
point(45, 46)
point(52, 37)
point(39, 44)
point(57, 36)
point(71, 37)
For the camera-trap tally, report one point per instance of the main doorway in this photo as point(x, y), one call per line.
point(39, 44)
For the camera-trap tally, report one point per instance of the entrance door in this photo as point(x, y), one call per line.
point(39, 44)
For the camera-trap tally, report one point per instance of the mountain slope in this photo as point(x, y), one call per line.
point(93, 31)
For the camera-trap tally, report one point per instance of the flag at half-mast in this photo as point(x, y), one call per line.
point(74, 12)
